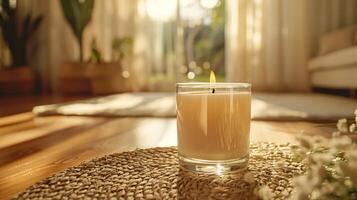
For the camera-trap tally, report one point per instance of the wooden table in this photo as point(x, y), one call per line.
point(32, 148)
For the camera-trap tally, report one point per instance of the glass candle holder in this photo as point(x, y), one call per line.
point(213, 124)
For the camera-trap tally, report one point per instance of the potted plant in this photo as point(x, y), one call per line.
point(18, 77)
point(110, 77)
point(73, 75)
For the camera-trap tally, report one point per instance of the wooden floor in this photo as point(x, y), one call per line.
point(32, 148)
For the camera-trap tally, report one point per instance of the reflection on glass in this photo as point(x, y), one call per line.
point(213, 122)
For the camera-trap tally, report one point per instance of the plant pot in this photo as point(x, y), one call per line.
point(19, 80)
point(73, 78)
point(107, 78)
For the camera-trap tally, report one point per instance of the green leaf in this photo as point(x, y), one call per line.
point(78, 14)
point(37, 22)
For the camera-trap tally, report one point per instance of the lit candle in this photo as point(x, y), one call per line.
point(213, 121)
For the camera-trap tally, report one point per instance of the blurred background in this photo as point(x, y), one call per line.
point(91, 47)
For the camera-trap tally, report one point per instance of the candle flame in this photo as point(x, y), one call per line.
point(212, 77)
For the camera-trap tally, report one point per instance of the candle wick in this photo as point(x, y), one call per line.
point(213, 90)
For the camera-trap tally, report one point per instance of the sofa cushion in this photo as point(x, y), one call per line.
point(347, 56)
point(336, 40)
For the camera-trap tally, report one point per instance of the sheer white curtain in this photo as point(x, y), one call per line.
point(155, 48)
point(57, 44)
point(329, 15)
point(151, 23)
point(269, 42)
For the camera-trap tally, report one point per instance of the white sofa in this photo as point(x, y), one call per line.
point(336, 70)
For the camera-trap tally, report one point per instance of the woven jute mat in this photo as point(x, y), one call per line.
point(155, 174)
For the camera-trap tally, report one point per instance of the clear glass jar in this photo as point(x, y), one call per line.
point(213, 123)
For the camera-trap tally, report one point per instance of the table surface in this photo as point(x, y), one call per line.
point(32, 148)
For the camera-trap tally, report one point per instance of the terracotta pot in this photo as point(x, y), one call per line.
point(19, 80)
point(107, 78)
point(73, 78)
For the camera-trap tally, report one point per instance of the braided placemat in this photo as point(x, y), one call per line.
point(155, 174)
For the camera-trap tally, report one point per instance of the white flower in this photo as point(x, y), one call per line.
point(322, 157)
point(302, 188)
point(318, 174)
point(329, 188)
point(336, 134)
point(350, 170)
point(299, 195)
point(303, 183)
point(323, 161)
point(341, 142)
point(265, 193)
point(331, 166)
point(249, 178)
point(352, 154)
point(352, 128)
point(342, 125)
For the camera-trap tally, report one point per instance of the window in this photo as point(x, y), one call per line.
point(203, 23)
point(186, 41)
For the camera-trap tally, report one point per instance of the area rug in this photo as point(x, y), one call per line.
point(265, 106)
point(155, 174)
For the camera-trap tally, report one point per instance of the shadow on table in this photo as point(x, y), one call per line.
point(210, 186)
